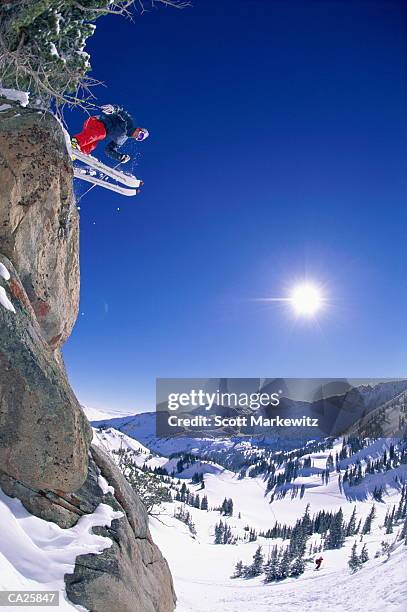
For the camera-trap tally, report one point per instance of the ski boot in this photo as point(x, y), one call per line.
point(74, 145)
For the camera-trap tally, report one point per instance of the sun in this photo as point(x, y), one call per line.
point(306, 299)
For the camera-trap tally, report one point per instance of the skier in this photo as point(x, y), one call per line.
point(318, 562)
point(114, 125)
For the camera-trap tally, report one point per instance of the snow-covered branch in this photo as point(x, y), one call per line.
point(42, 44)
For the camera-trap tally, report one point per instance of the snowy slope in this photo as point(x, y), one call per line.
point(205, 568)
point(111, 440)
point(142, 427)
point(202, 569)
point(203, 584)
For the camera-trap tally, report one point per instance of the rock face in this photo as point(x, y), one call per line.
point(131, 575)
point(44, 435)
point(45, 438)
point(38, 217)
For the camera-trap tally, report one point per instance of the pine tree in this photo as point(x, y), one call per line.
point(218, 532)
point(204, 503)
point(364, 555)
point(272, 569)
point(389, 522)
point(351, 527)
point(354, 561)
point(43, 43)
point(284, 567)
point(298, 567)
point(238, 570)
point(256, 568)
point(367, 526)
point(403, 535)
point(336, 535)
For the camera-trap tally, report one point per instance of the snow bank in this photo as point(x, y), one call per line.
point(105, 486)
point(17, 96)
point(35, 554)
point(4, 301)
point(4, 273)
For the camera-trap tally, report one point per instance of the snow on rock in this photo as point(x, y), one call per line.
point(105, 486)
point(4, 301)
point(23, 97)
point(4, 273)
point(35, 554)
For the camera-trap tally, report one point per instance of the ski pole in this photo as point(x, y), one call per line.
point(79, 100)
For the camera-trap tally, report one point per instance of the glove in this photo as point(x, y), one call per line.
point(108, 109)
point(124, 158)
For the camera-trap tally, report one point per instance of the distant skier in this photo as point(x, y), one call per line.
point(114, 125)
point(318, 562)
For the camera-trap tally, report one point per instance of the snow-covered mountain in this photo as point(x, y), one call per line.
point(99, 414)
point(337, 414)
point(270, 490)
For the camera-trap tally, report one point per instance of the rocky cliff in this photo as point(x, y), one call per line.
point(39, 226)
point(46, 457)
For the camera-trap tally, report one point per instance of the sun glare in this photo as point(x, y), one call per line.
point(306, 299)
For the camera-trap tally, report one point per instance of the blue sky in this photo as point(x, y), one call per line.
point(277, 153)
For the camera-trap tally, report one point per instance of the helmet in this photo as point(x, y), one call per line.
point(142, 134)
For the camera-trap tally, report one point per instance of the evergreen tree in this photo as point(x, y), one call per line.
point(252, 535)
point(284, 567)
point(218, 532)
point(336, 535)
point(403, 535)
point(367, 526)
point(256, 568)
point(204, 503)
point(364, 555)
point(389, 522)
point(351, 527)
point(272, 570)
point(354, 561)
point(43, 43)
point(298, 567)
point(238, 570)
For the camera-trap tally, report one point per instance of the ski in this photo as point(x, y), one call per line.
point(126, 179)
point(84, 176)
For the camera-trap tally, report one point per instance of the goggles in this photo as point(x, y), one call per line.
point(142, 135)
